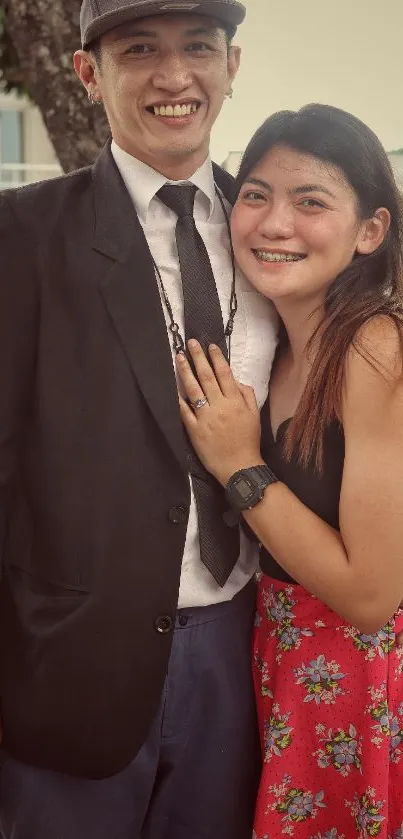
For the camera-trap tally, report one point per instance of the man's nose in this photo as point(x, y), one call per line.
point(172, 73)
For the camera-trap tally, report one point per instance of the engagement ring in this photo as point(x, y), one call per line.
point(199, 403)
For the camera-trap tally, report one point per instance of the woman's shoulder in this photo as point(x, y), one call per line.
point(377, 348)
point(373, 379)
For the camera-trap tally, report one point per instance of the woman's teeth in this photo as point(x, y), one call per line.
point(266, 256)
point(175, 110)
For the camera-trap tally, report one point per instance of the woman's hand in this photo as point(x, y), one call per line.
point(225, 431)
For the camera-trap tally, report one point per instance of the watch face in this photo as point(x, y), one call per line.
point(244, 488)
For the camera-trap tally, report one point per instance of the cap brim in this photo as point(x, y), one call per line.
point(227, 12)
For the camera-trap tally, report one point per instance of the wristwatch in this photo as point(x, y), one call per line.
point(246, 488)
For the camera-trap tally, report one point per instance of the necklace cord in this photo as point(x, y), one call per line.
point(177, 339)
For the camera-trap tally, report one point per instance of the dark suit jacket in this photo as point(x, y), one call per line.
point(93, 478)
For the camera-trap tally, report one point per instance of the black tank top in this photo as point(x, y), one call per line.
point(320, 493)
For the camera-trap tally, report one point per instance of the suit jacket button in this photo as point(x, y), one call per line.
point(178, 515)
point(163, 624)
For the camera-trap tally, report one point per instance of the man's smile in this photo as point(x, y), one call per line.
point(174, 109)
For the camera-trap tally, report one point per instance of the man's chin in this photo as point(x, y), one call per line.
point(178, 146)
point(161, 156)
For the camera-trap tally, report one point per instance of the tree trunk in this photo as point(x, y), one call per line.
point(45, 34)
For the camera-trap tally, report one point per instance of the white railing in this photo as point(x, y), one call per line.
point(17, 174)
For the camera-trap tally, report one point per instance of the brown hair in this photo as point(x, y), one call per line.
point(370, 286)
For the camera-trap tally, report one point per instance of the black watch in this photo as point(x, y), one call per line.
point(246, 488)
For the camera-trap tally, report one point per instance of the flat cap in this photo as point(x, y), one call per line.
point(99, 16)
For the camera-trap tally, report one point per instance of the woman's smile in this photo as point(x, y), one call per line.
point(295, 218)
point(277, 257)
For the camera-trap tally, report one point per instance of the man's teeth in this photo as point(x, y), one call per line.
point(277, 257)
point(175, 110)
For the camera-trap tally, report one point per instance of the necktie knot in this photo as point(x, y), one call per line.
point(179, 199)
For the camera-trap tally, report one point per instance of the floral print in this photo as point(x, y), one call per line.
point(277, 734)
point(381, 642)
point(320, 679)
point(341, 749)
point(261, 665)
point(298, 805)
point(389, 725)
point(330, 707)
point(279, 611)
point(396, 736)
point(368, 814)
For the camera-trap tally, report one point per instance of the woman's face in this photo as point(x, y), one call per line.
point(295, 225)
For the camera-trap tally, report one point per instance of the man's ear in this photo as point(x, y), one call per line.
point(86, 69)
point(234, 60)
point(373, 231)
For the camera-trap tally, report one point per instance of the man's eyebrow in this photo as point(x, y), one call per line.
point(131, 32)
point(141, 33)
point(134, 32)
point(212, 31)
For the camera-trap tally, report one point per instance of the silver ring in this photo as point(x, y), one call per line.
point(199, 403)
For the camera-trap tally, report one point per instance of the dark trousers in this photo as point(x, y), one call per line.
point(195, 777)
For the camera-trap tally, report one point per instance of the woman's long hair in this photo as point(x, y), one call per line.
point(370, 286)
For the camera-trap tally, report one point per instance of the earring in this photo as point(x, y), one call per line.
point(92, 99)
point(230, 93)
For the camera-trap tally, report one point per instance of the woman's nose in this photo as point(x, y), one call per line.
point(277, 222)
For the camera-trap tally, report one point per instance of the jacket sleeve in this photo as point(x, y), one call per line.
point(18, 329)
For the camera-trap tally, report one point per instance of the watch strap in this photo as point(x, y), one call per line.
point(262, 474)
point(259, 476)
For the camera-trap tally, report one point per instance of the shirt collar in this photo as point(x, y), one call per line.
point(143, 182)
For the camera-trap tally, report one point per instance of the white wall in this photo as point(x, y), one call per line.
point(37, 146)
point(347, 53)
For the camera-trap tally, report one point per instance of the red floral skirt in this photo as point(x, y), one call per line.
point(330, 707)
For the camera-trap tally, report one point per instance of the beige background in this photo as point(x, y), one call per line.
point(347, 53)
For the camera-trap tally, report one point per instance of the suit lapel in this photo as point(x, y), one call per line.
point(130, 292)
point(225, 182)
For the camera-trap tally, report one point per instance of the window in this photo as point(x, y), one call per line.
point(10, 145)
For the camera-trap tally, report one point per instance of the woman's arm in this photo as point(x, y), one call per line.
point(359, 572)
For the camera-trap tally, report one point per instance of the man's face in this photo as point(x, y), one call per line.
point(162, 80)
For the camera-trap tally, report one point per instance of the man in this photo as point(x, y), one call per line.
point(126, 603)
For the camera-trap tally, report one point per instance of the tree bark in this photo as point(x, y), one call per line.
point(45, 34)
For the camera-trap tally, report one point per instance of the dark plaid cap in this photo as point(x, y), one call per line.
point(99, 16)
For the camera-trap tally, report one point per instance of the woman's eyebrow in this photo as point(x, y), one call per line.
point(311, 188)
point(259, 182)
point(297, 190)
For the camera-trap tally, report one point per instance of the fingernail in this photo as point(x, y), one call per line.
point(180, 357)
point(192, 344)
point(213, 347)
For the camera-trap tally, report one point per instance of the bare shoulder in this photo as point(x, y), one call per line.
point(377, 351)
point(373, 379)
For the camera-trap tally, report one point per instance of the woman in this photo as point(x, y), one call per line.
point(317, 228)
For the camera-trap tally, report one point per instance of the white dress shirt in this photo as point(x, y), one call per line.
point(253, 340)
